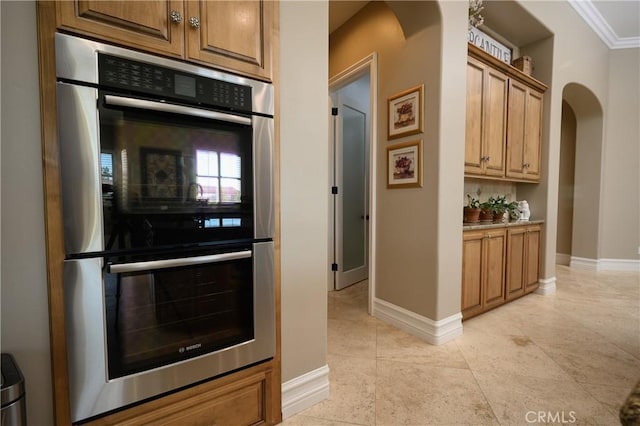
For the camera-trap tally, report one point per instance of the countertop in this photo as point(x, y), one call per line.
point(476, 226)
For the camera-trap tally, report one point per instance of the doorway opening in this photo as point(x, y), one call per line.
point(579, 202)
point(352, 166)
point(566, 185)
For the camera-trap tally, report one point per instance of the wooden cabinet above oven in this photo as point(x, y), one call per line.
point(231, 35)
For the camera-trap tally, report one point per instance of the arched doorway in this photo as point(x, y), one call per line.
point(579, 202)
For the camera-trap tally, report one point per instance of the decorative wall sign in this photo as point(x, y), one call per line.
point(489, 45)
point(405, 112)
point(404, 165)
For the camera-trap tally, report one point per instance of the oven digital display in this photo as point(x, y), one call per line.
point(185, 85)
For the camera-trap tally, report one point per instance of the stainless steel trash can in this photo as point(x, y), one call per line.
point(13, 411)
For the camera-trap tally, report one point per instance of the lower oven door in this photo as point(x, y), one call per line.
point(138, 330)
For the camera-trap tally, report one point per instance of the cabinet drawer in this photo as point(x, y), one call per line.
point(226, 401)
point(243, 406)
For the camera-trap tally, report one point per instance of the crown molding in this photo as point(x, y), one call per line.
point(601, 27)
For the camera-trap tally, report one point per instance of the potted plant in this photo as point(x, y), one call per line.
point(501, 206)
point(513, 208)
point(486, 210)
point(472, 210)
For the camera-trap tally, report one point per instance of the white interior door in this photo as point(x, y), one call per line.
point(351, 182)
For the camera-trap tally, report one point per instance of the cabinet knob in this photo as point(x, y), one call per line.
point(175, 16)
point(526, 165)
point(194, 22)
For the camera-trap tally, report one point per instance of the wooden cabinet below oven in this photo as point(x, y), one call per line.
point(243, 398)
point(234, 36)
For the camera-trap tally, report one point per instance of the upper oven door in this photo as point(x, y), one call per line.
point(173, 174)
point(140, 173)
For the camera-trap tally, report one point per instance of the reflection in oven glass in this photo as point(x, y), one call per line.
point(160, 317)
point(161, 180)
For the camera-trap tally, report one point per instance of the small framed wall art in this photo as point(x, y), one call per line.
point(404, 165)
point(405, 112)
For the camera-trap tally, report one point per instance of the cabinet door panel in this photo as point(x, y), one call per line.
point(471, 274)
point(474, 124)
point(144, 25)
point(494, 251)
point(533, 135)
point(235, 35)
point(516, 129)
point(495, 124)
point(515, 263)
point(532, 258)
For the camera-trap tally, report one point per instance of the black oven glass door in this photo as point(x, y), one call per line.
point(158, 314)
point(170, 176)
point(187, 310)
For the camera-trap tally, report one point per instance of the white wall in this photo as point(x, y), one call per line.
point(304, 160)
point(575, 54)
point(25, 314)
point(621, 165)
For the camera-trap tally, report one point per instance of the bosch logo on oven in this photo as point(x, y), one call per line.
point(184, 349)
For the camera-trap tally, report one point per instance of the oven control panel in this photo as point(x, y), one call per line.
point(120, 73)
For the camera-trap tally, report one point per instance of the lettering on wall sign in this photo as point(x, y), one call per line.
point(490, 45)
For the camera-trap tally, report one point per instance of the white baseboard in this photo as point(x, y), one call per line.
point(304, 391)
point(618, 265)
point(546, 286)
point(563, 259)
point(605, 264)
point(433, 332)
point(583, 263)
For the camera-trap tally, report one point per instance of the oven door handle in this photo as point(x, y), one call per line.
point(173, 263)
point(124, 101)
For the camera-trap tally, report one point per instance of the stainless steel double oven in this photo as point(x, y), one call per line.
point(167, 190)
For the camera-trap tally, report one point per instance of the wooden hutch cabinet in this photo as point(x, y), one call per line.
point(504, 120)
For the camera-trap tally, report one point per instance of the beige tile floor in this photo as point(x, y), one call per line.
point(570, 358)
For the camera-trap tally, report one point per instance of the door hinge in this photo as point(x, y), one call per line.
point(334, 190)
point(334, 111)
point(334, 267)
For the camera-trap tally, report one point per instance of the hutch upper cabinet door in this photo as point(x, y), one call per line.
point(235, 35)
point(154, 26)
point(473, 155)
point(486, 120)
point(524, 132)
